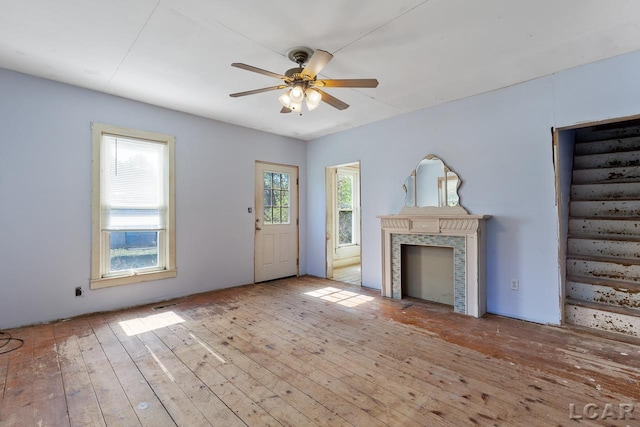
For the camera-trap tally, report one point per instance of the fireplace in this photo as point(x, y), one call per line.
point(465, 234)
point(433, 217)
point(427, 273)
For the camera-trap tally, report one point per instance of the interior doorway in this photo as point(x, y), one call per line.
point(343, 246)
point(598, 188)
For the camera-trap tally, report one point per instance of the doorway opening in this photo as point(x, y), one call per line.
point(343, 248)
point(598, 195)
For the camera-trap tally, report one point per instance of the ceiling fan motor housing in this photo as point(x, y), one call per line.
point(299, 54)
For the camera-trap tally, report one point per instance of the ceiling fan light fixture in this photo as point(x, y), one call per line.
point(313, 99)
point(285, 99)
point(297, 93)
point(301, 82)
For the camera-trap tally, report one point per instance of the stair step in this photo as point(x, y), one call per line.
point(608, 131)
point(582, 290)
point(604, 307)
point(601, 175)
point(604, 268)
point(607, 160)
point(607, 191)
point(600, 247)
point(620, 285)
point(601, 316)
point(620, 228)
point(605, 237)
point(614, 145)
point(624, 262)
point(605, 208)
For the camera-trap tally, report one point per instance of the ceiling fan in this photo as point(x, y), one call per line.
point(303, 83)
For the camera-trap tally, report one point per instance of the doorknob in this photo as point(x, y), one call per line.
point(258, 228)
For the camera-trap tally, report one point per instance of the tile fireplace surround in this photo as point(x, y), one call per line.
point(461, 231)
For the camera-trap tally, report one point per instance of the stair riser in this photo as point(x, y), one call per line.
point(603, 294)
point(628, 208)
point(604, 227)
point(607, 160)
point(613, 322)
point(603, 270)
point(607, 146)
point(607, 248)
point(628, 190)
point(586, 176)
point(591, 134)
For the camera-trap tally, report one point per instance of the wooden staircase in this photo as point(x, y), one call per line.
point(603, 246)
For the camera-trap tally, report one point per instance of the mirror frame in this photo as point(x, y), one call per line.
point(411, 189)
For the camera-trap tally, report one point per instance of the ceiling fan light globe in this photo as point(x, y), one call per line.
point(297, 94)
point(311, 106)
point(295, 106)
point(313, 97)
point(285, 100)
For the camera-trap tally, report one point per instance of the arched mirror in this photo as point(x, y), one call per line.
point(432, 184)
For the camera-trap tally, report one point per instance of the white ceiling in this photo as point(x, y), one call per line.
point(177, 53)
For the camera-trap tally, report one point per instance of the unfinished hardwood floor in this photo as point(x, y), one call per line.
point(307, 351)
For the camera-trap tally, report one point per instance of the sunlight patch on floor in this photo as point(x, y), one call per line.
point(340, 296)
point(140, 325)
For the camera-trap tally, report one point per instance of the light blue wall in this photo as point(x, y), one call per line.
point(500, 145)
point(45, 193)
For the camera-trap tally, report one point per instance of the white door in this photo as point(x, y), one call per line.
point(276, 222)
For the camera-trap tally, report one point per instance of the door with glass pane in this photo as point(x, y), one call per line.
point(276, 222)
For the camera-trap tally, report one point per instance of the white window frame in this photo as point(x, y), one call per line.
point(99, 239)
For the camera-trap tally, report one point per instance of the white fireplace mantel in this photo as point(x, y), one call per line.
point(439, 227)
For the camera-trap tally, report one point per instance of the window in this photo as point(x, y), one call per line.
point(347, 205)
point(276, 198)
point(133, 209)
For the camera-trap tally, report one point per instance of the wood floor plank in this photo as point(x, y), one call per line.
point(325, 375)
point(307, 351)
point(181, 409)
point(324, 407)
point(203, 362)
point(384, 372)
point(243, 368)
point(371, 364)
point(114, 405)
point(407, 345)
point(528, 403)
point(16, 406)
point(49, 404)
point(209, 405)
point(81, 399)
point(148, 408)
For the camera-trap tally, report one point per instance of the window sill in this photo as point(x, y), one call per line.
point(134, 278)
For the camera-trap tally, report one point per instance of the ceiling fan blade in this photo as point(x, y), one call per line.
point(251, 92)
point(333, 101)
point(285, 110)
point(260, 71)
point(371, 83)
point(318, 60)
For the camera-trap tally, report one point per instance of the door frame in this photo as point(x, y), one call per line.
point(297, 211)
point(561, 152)
point(330, 214)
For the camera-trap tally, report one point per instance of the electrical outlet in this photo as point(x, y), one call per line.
point(515, 284)
point(79, 291)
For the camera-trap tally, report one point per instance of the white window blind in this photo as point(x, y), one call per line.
point(134, 194)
